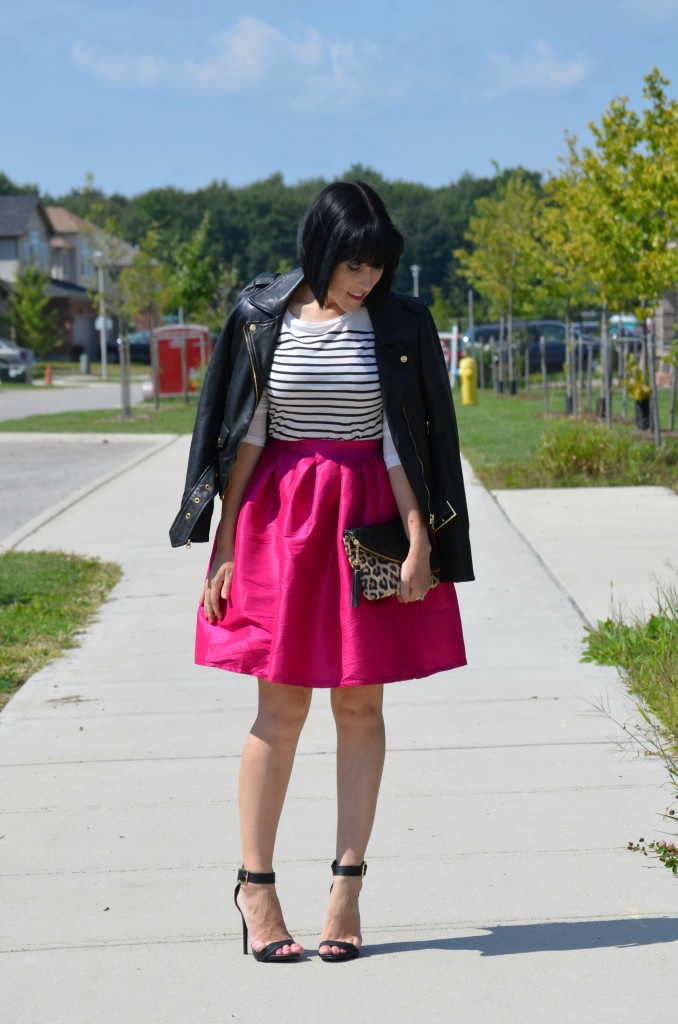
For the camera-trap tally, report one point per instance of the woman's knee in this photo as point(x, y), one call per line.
point(282, 709)
point(358, 709)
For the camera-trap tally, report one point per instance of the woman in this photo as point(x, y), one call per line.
point(326, 406)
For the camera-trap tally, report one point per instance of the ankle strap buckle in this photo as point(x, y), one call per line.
point(246, 877)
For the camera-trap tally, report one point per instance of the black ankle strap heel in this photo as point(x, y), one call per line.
point(268, 954)
point(349, 951)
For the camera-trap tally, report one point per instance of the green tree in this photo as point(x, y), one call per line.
point(254, 227)
point(626, 201)
point(441, 309)
point(561, 277)
point(34, 324)
point(144, 281)
point(500, 262)
point(10, 188)
point(194, 275)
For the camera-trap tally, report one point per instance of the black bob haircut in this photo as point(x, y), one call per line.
point(348, 221)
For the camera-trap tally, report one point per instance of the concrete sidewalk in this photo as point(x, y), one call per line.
point(499, 884)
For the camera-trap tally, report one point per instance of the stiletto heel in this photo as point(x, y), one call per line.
point(349, 951)
point(269, 953)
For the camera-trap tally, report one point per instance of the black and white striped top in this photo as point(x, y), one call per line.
point(324, 384)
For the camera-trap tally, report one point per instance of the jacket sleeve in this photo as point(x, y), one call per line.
point(202, 477)
point(444, 454)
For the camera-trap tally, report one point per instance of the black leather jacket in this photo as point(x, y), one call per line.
point(417, 403)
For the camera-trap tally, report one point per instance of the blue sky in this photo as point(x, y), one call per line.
point(148, 93)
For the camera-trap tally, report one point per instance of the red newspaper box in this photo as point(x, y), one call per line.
point(181, 353)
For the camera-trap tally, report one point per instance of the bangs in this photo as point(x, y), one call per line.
point(377, 244)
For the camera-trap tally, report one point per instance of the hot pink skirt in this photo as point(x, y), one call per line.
point(289, 617)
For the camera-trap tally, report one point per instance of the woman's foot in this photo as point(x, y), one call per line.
point(342, 923)
point(261, 909)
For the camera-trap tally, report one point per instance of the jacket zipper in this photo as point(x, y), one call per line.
point(250, 353)
point(431, 517)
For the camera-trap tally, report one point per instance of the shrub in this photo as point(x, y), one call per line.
point(578, 453)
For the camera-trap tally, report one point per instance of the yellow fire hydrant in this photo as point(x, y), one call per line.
point(468, 375)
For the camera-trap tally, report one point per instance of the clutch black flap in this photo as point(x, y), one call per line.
point(388, 540)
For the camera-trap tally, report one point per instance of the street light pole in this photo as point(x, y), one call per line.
point(99, 260)
point(415, 279)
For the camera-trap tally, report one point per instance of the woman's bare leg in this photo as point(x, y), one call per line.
point(360, 761)
point(264, 775)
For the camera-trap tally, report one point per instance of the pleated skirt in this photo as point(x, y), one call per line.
point(289, 617)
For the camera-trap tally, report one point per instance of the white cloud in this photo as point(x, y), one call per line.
point(304, 70)
point(654, 10)
point(537, 70)
point(142, 71)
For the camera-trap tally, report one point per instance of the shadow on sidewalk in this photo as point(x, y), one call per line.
point(555, 935)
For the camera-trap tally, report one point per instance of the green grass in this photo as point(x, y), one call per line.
point(645, 653)
point(46, 598)
point(510, 443)
point(173, 417)
point(499, 434)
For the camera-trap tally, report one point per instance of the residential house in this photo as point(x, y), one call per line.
point(78, 250)
point(66, 247)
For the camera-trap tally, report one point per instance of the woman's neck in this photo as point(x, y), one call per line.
point(304, 306)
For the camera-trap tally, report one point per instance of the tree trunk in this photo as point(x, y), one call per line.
point(510, 342)
point(125, 398)
point(624, 349)
point(570, 389)
point(589, 379)
point(654, 397)
point(527, 367)
point(607, 366)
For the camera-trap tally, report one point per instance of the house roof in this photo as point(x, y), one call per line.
point(65, 290)
point(116, 251)
point(53, 288)
point(63, 221)
point(15, 212)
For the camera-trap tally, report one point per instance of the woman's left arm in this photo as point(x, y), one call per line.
point(415, 577)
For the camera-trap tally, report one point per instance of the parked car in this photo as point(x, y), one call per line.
point(16, 363)
point(527, 336)
point(625, 325)
point(139, 348)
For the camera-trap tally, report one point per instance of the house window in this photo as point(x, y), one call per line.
point(86, 265)
point(9, 249)
point(36, 250)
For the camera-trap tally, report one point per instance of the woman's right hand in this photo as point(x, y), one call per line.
point(217, 588)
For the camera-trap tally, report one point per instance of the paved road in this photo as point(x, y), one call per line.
point(38, 401)
point(40, 471)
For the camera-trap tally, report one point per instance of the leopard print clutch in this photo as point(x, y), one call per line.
point(376, 555)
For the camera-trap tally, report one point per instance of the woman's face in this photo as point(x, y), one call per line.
point(350, 285)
